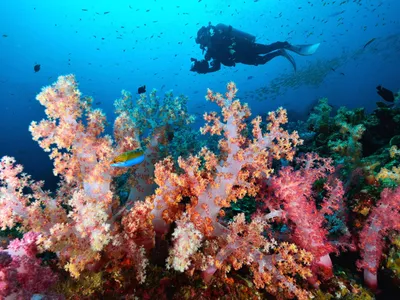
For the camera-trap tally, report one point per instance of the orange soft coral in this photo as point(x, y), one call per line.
point(73, 134)
point(206, 183)
point(227, 178)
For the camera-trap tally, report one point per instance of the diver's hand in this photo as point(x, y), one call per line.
point(194, 64)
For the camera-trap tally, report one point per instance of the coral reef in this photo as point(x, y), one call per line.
point(249, 213)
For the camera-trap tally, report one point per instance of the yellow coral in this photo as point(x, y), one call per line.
point(86, 286)
point(73, 270)
point(394, 151)
point(393, 174)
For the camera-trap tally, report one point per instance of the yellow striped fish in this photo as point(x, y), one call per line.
point(128, 158)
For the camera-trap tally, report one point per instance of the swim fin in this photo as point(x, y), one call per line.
point(289, 58)
point(303, 49)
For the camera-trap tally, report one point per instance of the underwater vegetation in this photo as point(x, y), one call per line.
point(258, 211)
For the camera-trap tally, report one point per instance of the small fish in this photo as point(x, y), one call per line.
point(128, 159)
point(141, 89)
point(250, 77)
point(84, 9)
point(5, 35)
point(336, 13)
point(369, 42)
point(106, 12)
point(334, 70)
point(386, 94)
point(36, 68)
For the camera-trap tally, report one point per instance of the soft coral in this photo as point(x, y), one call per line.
point(21, 272)
point(294, 189)
point(384, 217)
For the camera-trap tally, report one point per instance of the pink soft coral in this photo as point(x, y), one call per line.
point(293, 189)
point(73, 134)
point(21, 272)
point(35, 211)
point(384, 217)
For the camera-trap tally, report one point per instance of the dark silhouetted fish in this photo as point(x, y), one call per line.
point(36, 68)
point(141, 89)
point(386, 94)
point(336, 13)
point(369, 42)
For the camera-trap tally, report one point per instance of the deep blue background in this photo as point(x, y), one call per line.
point(150, 42)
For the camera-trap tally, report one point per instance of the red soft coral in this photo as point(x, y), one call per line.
point(384, 217)
point(294, 189)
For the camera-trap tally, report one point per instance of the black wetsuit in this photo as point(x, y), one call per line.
point(229, 46)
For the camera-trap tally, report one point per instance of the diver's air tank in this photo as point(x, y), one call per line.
point(240, 36)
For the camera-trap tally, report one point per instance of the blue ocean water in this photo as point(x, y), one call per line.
point(115, 45)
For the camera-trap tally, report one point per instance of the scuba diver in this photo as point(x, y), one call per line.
point(229, 46)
